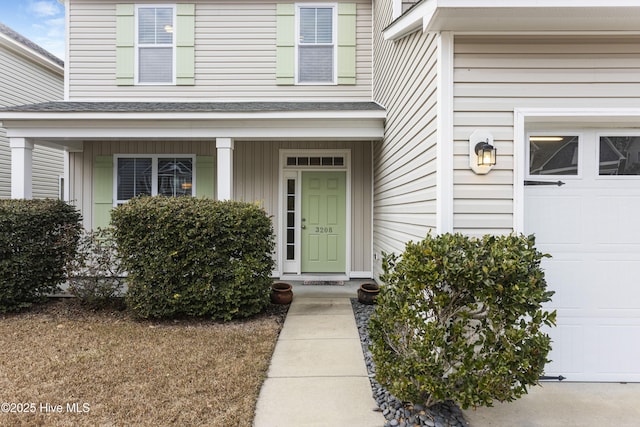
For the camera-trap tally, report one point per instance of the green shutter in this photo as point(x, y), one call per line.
point(347, 43)
point(125, 39)
point(102, 190)
point(205, 174)
point(285, 43)
point(185, 44)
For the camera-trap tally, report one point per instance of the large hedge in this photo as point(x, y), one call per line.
point(461, 318)
point(37, 237)
point(194, 257)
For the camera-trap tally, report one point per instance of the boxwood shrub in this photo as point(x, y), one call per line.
point(37, 237)
point(461, 318)
point(194, 257)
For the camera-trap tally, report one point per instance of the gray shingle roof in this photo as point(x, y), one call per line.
point(191, 107)
point(29, 44)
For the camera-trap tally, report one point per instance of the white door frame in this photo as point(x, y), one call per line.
point(292, 269)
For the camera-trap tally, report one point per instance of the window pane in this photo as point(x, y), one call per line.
point(175, 177)
point(134, 178)
point(156, 65)
point(307, 25)
point(324, 25)
point(316, 25)
point(155, 25)
point(619, 155)
point(315, 64)
point(553, 155)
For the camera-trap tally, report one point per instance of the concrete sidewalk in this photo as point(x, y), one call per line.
point(317, 375)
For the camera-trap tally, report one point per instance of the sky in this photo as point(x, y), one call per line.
point(41, 21)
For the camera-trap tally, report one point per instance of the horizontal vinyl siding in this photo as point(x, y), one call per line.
point(494, 75)
point(235, 56)
point(23, 82)
point(405, 161)
point(256, 174)
point(81, 164)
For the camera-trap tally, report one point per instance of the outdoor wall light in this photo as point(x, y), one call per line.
point(482, 152)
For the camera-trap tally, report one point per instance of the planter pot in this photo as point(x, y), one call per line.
point(367, 293)
point(281, 293)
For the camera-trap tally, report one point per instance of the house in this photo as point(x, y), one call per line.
point(361, 125)
point(30, 74)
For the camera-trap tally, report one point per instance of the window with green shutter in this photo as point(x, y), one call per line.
point(316, 44)
point(155, 44)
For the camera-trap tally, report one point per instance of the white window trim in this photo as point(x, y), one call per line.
point(154, 171)
point(334, 6)
point(137, 45)
point(564, 132)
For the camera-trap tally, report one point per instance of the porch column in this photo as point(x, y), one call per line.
point(21, 168)
point(225, 168)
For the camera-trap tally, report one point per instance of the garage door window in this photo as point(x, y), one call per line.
point(554, 155)
point(619, 155)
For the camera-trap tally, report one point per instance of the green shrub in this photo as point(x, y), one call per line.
point(195, 257)
point(95, 274)
point(37, 237)
point(460, 319)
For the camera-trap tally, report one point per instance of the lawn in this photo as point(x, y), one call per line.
point(62, 364)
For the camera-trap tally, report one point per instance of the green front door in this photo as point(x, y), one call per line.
point(324, 217)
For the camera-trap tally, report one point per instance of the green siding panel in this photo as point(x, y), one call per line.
point(102, 190)
point(347, 43)
point(205, 176)
point(285, 44)
point(125, 41)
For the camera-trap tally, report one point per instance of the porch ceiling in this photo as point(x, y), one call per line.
point(60, 122)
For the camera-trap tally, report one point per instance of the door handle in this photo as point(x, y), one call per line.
point(304, 227)
point(558, 183)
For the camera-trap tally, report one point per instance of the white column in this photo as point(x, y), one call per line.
point(225, 168)
point(21, 168)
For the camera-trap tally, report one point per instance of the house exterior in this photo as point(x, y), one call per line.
point(29, 74)
point(358, 125)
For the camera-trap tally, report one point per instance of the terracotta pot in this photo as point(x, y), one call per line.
point(281, 293)
point(367, 293)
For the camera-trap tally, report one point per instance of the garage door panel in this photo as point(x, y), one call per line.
point(567, 351)
point(619, 290)
point(616, 353)
point(567, 277)
point(616, 219)
point(557, 222)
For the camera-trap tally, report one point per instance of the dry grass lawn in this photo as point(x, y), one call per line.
point(123, 371)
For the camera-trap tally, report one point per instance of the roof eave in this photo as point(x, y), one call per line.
point(518, 16)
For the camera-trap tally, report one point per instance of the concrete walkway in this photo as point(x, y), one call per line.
point(317, 375)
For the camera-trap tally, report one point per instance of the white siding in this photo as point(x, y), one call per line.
point(494, 75)
point(405, 162)
point(23, 82)
point(235, 56)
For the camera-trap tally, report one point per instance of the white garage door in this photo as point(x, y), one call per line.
point(591, 227)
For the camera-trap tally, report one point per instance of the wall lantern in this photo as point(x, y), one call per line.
point(482, 152)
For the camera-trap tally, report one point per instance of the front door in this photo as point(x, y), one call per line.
point(323, 217)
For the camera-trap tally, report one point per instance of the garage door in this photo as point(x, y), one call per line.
point(582, 201)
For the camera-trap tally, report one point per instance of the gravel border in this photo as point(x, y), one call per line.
point(399, 413)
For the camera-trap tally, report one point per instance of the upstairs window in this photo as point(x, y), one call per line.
point(155, 45)
point(316, 44)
